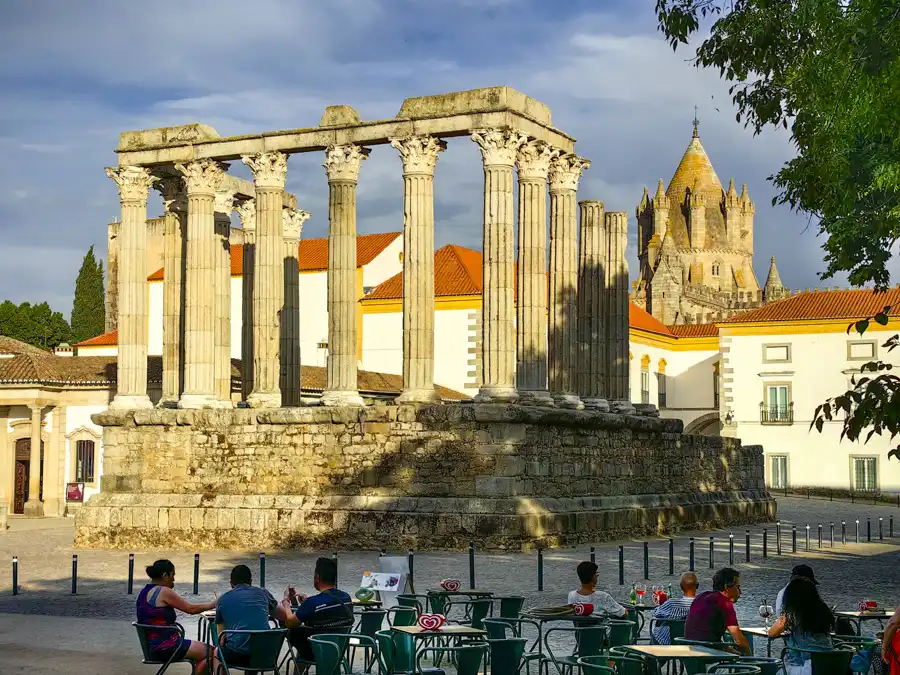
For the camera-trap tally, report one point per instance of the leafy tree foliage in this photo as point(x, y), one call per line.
point(828, 70)
point(37, 325)
point(89, 307)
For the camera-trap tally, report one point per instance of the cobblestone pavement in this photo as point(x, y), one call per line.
point(77, 633)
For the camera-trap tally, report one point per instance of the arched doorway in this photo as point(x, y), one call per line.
point(23, 474)
point(705, 425)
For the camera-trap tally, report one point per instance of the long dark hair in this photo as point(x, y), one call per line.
point(805, 610)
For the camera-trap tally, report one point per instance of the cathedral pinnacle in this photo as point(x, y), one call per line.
point(660, 200)
point(731, 197)
point(774, 287)
point(696, 124)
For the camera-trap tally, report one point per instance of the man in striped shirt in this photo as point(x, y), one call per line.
point(675, 608)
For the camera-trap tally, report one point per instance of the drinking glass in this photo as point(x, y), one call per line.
point(640, 589)
point(765, 611)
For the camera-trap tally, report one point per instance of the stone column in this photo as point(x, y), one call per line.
point(591, 321)
point(419, 155)
point(618, 390)
point(342, 163)
point(533, 163)
point(224, 205)
point(34, 507)
point(131, 382)
point(247, 212)
point(175, 202)
point(498, 151)
point(53, 498)
point(290, 316)
point(269, 173)
point(7, 466)
point(565, 171)
point(202, 178)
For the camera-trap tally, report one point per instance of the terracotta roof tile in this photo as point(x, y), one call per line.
point(313, 253)
point(822, 305)
point(642, 320)
point(457, 271)
point(694, 330)
point(109, 339)
point(10, 345)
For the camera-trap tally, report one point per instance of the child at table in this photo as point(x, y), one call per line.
point(587, 594)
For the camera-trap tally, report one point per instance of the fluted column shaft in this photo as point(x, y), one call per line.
point(269, 173)
point(498, 360)
point(247, 212)
point(419, 155)
point(131, 385)
point(202, 178)
point(342, 164)
point(591, 323)
point(224, 205)
point(34, 507)
point(175, 201)
point(565, 172)
point(618, 388)
point(290, 316)
point(533, 163)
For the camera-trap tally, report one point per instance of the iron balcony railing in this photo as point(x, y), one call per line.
point(776, 414)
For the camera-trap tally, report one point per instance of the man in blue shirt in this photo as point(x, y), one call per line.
point(329, 611)
point(244, 607)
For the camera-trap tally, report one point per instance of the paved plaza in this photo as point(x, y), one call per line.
point(45, 629)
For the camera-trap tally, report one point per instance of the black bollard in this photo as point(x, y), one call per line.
point(731, 548)
point(671, 556)
point(130, 573)
point(74, 573)
point(691, 555)
point(593, 555)
point(793, 538)
point(196, 574)
point(891, 526)
point(540, 569)
point(15, 575)
point(646, 560)
point(747, 546)
point(857, 530)
point(868, 529)
point(621, 566)
point(807, 537)
point(819, 527)
point(831, 533)
point(765, 543)
point(334, 556)
point(880, 529)
point(843, 532)
point(472, 564)
point(262, 569)
point(778, 538)
point(712, 554)
point(410, 563)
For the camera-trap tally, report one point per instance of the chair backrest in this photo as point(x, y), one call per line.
point(402, 616)
point(143, 631)
point(371, 621)
point(596, 665)
point(506, 655)
point(830, 662)
point(591, 639)
point(734, 669)
point(676, 627)
point(626, 664)
point(467, 657)
point(621, 632)
point(511, 606)
point(410, 601)
point(265, 647)
point(396, 652)
point(480, 610)
point(767, 666)
point(438, 603)
point(329, 649)
point(496, 628)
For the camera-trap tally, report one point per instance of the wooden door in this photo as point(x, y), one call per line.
point(23, 461)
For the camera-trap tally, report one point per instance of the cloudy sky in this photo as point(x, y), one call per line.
point(73, 75)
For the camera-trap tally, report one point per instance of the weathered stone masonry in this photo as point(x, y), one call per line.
point(433, 477)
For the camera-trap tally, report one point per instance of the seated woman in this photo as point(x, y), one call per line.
point(809, 621)
point(156, 605)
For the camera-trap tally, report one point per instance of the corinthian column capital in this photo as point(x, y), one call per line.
point(293, 222)
point(499, 146)
point(171, 188)
point(133, 181)
point(269, 168)
point(565, 171)
point(246, 210)
point(419, 153)
point(533, 160)
point(342, 162)
point(202, 176)
point(224, 201)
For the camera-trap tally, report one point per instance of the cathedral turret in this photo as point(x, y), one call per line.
point(644, 217)
point(697, 217)
point(748, 208)
point(774, 288)
point(660, 211)
point(664, 298)
point(734, 217)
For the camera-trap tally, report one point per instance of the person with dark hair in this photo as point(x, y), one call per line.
point(244, 607)
point(809, 621)
point(329, 611)
point(156, 605)
point(799, 572)
point(712, 613)
point(587, 594)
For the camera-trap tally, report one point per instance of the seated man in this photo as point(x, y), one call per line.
point(675, 608)
point(712, 613)
point(329, 611)
point(244, 607)
point(603, 602)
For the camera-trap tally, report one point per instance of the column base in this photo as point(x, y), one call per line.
point(497, 395)
point(540, 397)
point(598, 404)
point(418, 396)
point(53, 508)
point(621, 407)
point(263, 399)
point(34, 509)
point(646, 409)
point(130, 402)
point(196, 401)
point(167, 403)
point(569, 401)
point(342, 399)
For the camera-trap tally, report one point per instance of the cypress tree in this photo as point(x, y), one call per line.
point(89, 307)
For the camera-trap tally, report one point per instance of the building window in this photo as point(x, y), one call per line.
point(716, 386)
point(777, 353)
point(779, 475)
point(777, 408)
point(661, 390)
point(865, 478)
point(716, 268)
point(84, 461)
point(861, 351)
point(645, 386)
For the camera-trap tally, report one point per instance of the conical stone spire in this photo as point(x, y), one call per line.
point(774, 287)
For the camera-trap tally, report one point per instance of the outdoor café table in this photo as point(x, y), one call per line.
point(420, 634)
point(365, 605)
point(682, 653)
point(471, 593)
point(881, 615)
point(762, 633)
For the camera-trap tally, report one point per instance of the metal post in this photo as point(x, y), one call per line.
point(843, 532)
point(747, 546)
point(540, 569)
point(74, 573)
point(593, 555)
point(765, 543)
point(672, 556)
point(731, 548)
point(819, 527)
point(712, 554)
point(691, 555)
point(621, 566)
point(831, 531)
point(793, 538)
point(410, 563)
point(15, 575)
point(778, 538)
point(880, 529)
point(196, 574)
point(891, 526)
point(868, 529)
point(262, 569)
point(334, 556)
point(807, 536)
point(471, 564)
point(857, 530)
point(646, 560)
point(130, 573)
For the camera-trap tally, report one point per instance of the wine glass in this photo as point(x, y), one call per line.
point(765, 611)
point(658, 590)
point(640, 589)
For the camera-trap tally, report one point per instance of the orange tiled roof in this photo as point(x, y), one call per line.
point(110, 339)
point(694, 330)
point(312, 254)
point(822, 305)
point(642, 320)
point(457, 271)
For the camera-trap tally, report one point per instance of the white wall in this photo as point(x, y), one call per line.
point(385, 265)
point(383, 342)
point(155, 318)
point(98, 351)
point(77, 417)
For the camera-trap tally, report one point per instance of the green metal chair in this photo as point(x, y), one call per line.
point(265, 650)
point(589, 641)
point(402, 616)
point(330, 650)
point(370, 622)
point(828, 661)
point(510, 606)
point(148, 656)
point(767, 666)
point(397, 655)
point(500, 629)
point(867, 648)
point(417, 602)
point(734, 669)
point(676, 628)
point(476, 611)
point(596, 665)
point(627, 664)
point(621, 632)
point(467, 658)
point(506, 655)
point(694, 666)
point(438, 603)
